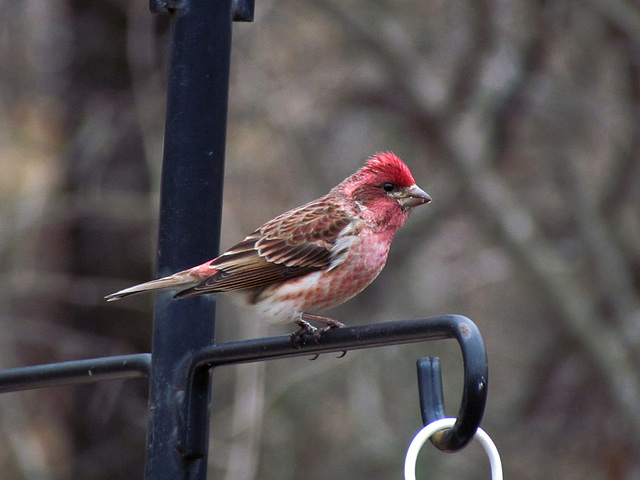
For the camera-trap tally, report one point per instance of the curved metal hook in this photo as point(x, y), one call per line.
point(474, 393)
point(192, 434)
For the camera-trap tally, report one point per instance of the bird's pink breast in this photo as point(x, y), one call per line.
point(324, 289)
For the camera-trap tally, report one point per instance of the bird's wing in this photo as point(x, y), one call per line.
point(297, 242)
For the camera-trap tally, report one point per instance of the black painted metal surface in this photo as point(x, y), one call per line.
point(457, 327)
point(190, 215)
point(184, 440)
point(75, 372)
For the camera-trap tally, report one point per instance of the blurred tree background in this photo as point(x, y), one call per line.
point(520, 118)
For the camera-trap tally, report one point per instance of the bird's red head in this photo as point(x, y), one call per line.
point(387, 166)
point(384, 189)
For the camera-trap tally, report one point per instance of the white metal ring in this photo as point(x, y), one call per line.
point(423, 435)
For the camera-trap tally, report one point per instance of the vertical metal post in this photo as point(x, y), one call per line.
point(190, 212)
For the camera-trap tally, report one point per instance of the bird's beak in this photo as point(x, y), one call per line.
point(413, 196)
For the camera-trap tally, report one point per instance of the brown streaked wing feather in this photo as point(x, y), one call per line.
point(305, 236)
point(244, 269)
point(293, 244)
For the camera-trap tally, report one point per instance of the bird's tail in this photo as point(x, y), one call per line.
point(180, 280)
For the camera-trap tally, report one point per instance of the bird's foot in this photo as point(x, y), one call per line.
point(330, 323)
point(305, 327)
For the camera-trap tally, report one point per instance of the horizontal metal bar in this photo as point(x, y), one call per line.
point(343, 339)
point(198, 363)
point(337, 340)
point(75, 372)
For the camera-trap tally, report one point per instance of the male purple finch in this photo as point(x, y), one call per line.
point(313, 257)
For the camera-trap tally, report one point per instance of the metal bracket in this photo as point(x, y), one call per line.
point(190, 441)
point(192, 373)
point(191, 436)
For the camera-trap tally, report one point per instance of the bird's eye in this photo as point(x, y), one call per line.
point(388, 187)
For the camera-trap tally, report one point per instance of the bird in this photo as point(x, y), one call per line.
point(313, 257)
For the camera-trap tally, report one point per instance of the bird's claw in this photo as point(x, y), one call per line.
point(305, 327)
point(330, 325)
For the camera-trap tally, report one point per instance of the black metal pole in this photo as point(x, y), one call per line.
point(190, 212)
